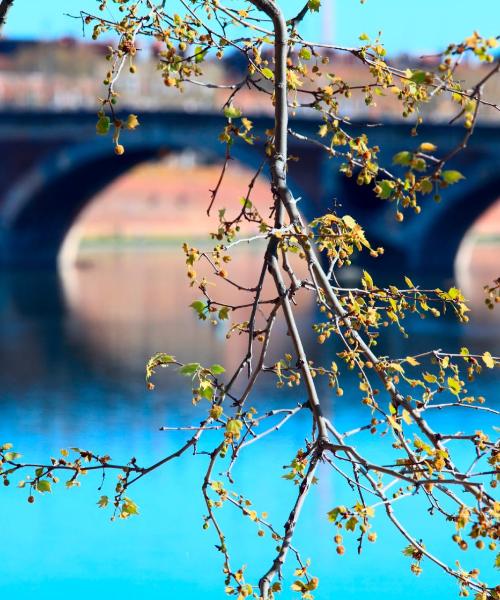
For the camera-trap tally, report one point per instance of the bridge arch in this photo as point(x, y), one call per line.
point(442, 239)
point(39, 210)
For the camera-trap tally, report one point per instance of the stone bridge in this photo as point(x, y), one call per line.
point(53, 163)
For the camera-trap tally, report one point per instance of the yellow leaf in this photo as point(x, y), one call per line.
point(298, 586)
point(268, 74)
point(439, 463)
point(233, 427)
point(367, 280)
point(239, 575)
point(454, 386)
point(132, 122)
point(323, 130)
point(463, 517)
point(349, 221)
point(216, 411)
point(488, 360)
point(247, 123)
point(412, 361)
point(406, 417)
point(293, 79)
point(393, 423)
point(427, 147)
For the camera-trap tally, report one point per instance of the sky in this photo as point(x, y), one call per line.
point(418, 27)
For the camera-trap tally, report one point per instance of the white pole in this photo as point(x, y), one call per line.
point(328, 22)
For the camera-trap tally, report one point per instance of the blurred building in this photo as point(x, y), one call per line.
point(67, 74)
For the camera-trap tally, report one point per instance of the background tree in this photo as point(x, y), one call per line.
point(5, 6)
point(401, 394)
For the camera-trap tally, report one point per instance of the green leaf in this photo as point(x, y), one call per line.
point(420, 164)
point(364, 37)
point(305, 53)
point(129, 508)
point(419, 77)
point(231, 112)
point(426, 186)
point(206, 390)
point(43, 486)
point(9, 456)
point(200, 308)
point(103, 125)
point(402, 158)
point(200, 54)
point(224, 313)
point(314, 5)
point(198, 305)
point(165, 359)
point(103, 502)
point(189, 368)
point(217, 369)
point(452, 177)
point(386, 189)
point(268, 74)
point(160, 359)
point(333, 514)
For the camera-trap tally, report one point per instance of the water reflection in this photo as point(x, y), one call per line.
point(124, 306)
point(73, 353)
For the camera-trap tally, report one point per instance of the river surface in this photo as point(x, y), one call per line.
point(73, 349)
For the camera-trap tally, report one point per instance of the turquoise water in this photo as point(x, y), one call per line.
point(72, 353)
